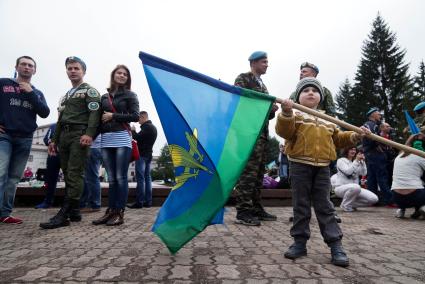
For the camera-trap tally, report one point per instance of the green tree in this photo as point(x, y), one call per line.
point(420, 82)
point(344, 98)
point(272, 149)
point(165, 168)
point(382, 78)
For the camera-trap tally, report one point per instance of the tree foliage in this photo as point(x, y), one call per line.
point(382, 78)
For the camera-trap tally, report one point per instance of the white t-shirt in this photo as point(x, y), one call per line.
point(408, 172)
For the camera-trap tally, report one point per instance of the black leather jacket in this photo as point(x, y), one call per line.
point(126, 107)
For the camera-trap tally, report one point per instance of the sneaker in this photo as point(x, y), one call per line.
point(264, 216)
point(339, 257)
point(399, 213)
point(11, 220)
point(347, 209)
point(247, 218)
point(43, 205)
point(296, 250)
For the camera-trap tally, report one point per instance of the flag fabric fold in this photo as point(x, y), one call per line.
point(414, 129)
point(211, 128)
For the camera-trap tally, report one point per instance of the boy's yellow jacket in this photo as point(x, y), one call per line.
point(312, 140)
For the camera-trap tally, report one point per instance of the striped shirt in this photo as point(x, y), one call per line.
point(115, 139)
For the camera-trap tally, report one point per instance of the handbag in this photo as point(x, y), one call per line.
point(135, 155)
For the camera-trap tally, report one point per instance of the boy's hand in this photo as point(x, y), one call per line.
point(286, 106)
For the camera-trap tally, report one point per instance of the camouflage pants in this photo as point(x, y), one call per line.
point(248, 188)
point(73, 161)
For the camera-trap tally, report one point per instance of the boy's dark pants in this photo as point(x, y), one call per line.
point(311, 186)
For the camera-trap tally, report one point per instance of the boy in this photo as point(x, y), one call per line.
point(310, 147)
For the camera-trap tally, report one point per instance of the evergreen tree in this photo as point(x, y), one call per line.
point(165, 169)
point(382, 78)
point(343, 99)
point(420, 82)
point(272, 149)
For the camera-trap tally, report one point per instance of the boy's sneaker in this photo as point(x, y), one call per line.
point(247, 218)
point(11, 220)
point(399, 213)
point(296, 250)
point(339, 257)
point(264, 216)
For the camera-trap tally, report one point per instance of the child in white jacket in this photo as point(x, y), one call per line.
point(346, 181)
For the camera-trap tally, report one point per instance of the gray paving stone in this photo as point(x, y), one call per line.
point(82, 253)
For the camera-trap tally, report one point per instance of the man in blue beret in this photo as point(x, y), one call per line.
point(308, 69)
point(420, 116)
point(376, 160)
point(250, 212)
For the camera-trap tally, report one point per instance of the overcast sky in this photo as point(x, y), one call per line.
point(211, 37)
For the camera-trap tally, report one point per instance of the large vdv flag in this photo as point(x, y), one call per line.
point(211, 129)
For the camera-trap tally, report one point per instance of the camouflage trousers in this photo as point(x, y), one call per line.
point(248, 188)
point(73, 162)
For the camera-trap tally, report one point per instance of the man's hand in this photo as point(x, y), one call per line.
point(86, 140)
point(26, 87)
point(274, 107)
point(365, 131)
point(52, 150)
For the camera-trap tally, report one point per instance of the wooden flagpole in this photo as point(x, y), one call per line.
point(348, 126)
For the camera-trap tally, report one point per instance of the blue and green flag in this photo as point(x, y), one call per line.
point(211, 129)
point(414, 129)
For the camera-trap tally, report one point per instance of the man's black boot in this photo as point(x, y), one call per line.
point(296, 250)
point(262, 215)
point(74, 211)
point(247, 218)
point(339, 257)
point(59, 220)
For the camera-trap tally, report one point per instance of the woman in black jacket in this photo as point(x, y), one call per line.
point(120, 106)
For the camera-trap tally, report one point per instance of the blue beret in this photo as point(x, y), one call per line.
point(72, 59)
point(419, 106)
point(257, 55)
point(372, 110)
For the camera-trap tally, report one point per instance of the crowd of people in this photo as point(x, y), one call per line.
point(94, 130)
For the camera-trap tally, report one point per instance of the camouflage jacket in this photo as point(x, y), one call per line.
point(249, 81)
point(327, 104)
point(80, 106)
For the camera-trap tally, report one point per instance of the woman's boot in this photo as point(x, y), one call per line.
point(102, 220)
point(117, 218)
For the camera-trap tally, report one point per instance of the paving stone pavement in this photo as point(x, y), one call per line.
point(382, 249)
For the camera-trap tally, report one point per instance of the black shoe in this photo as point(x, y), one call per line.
point(247, 218)
point(296, 250)
point(59, 220)
point(135, 205)
point(291, 219)
point(264, 216)
point(102, 220)
point(339, 257)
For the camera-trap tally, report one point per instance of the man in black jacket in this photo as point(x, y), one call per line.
point(145, 140)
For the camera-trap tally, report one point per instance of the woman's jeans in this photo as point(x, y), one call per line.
point(415, 199)
point(116, 162)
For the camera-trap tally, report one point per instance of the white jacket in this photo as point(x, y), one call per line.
point(348, 172)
